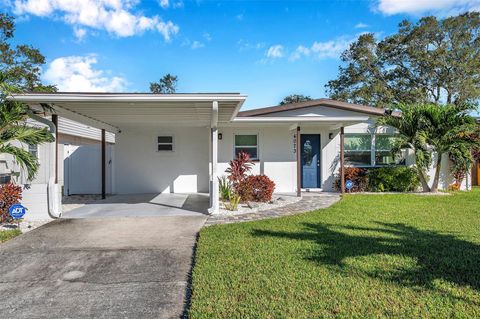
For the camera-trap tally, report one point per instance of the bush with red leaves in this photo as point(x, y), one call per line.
point(358, 176)
point(239, 168)
point(256, 188)
point(9, 194)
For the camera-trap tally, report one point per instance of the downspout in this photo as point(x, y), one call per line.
point(53, 200)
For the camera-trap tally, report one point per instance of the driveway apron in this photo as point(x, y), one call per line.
point(121, 267)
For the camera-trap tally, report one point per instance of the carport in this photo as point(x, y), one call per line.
point(165, 144)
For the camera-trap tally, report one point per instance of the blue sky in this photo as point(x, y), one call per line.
point(265, 49)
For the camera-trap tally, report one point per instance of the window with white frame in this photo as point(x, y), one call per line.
point(247, 143)
point(383, 151)
point(165, 143)
point(371, 150)
point(358, 149)
point(33, 150)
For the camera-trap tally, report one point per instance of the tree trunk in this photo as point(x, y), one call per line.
point(423, 180)
point(434, 188)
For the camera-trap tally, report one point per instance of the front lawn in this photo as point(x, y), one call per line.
point(367, 256)
point(9, 234)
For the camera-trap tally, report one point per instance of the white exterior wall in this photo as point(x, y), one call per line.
point(140, 168)
point(275, 151)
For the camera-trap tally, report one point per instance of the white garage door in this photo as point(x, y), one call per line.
point(83, 170)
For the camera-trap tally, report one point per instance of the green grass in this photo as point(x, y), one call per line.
point(397, 256)
point(9, 234)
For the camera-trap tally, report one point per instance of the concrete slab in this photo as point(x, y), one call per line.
point(143, 205)
point(99, 268)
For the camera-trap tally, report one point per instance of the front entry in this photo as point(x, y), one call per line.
point(310, 151)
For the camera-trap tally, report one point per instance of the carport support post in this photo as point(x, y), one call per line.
point(299, 169)
point(104, 168)
point(55, 122)
point(342, 160)
point(214, 196)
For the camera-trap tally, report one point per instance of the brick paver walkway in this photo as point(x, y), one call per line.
point(309, 202)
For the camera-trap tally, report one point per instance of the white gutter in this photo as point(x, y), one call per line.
point(53, 190)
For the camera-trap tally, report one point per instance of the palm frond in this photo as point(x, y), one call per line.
point(23, 158)
point(27, 135)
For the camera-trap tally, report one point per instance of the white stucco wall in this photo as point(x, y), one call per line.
point(140, 168)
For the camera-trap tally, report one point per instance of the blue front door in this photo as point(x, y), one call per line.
point(310, 156)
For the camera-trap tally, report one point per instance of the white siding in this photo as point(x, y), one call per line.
point(140, 168)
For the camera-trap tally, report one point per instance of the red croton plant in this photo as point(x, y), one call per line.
point(258, 188)
point(239, 168)
point(9, 194)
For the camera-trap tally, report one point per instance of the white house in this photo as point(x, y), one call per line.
point(181, 143)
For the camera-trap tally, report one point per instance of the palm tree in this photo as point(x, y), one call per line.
point(411, 135)
point(13, 116)
point(450, 128)
point(429, 128)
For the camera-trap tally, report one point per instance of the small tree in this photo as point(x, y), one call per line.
point(430, 128)
point(295, 98)
point(166, 85)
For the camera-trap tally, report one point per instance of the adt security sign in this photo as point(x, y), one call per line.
point(17, 211)
point(349, 184)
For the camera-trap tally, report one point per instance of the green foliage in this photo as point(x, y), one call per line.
point(427, 128)
point(367, 256)
point(393, 179)
point(381, 179)
point(13, 116)
point(358, 176)
point(225, 188)
point(21, 63)
point(429, 61)
point(234, 200)
point(295, 98)
point(166, 85)
point(9, 234)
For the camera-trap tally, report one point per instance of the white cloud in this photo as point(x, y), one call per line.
point(178, 5)
point(239, 17)
point(114, 16)
point(79, 33)
point(275, 52)
point(361, 25)
point(417, 7)
point(299, 52)
point(164, 3)
point(77, 74)
point(197, 45)
point(207, 36)
point(323, 50)
point(244, 45)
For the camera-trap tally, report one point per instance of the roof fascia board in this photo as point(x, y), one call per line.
point(58, 97)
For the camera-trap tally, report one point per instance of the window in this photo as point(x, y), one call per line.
point(33, 150)
point(383, 151)
point(371, 150)
point(165, 143)
point(358, 149)
point(247, 144)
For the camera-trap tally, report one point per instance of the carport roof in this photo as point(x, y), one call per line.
point(112, 111)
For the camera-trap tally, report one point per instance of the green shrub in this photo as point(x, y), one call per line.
point(393, 179)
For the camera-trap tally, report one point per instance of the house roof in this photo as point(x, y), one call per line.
point(318, 102)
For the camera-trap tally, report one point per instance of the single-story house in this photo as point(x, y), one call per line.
point(181, 143)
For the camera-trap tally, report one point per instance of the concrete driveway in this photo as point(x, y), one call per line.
point(121, 267)
point(141, 205)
